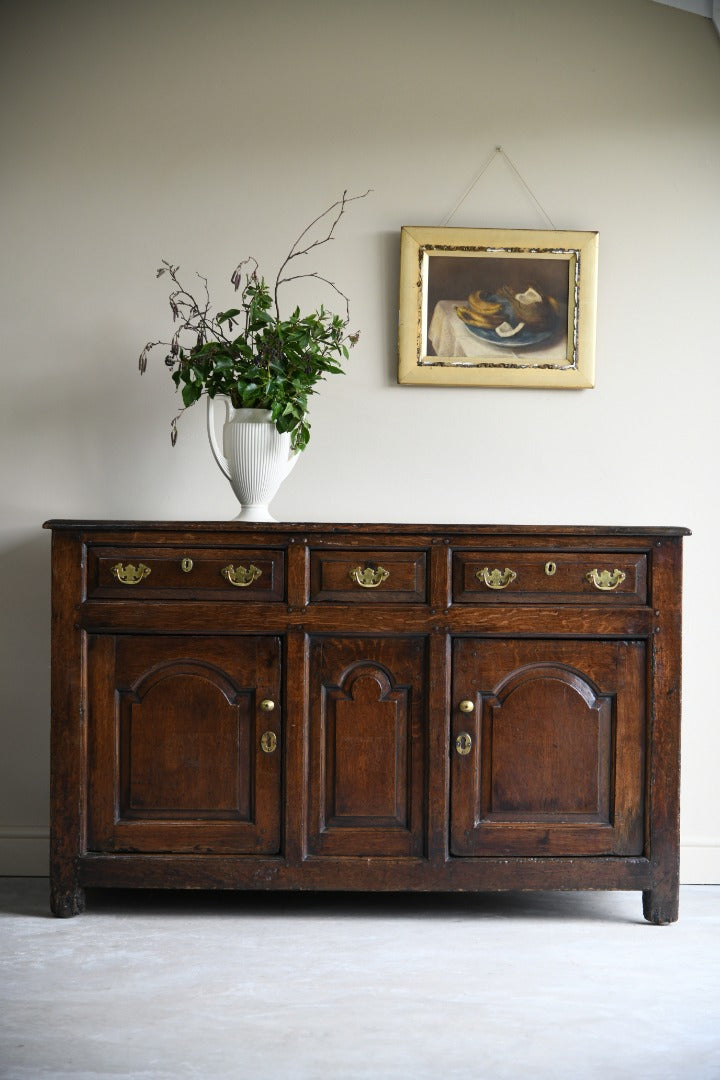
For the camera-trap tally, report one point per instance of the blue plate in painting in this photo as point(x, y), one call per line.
point(523, 339)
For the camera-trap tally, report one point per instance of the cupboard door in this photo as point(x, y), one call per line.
point(367, 746)
point(184, 750)
point(548, 758)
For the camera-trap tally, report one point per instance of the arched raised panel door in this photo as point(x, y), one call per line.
point(176, 744)
point(552, 759)
point(367, 746)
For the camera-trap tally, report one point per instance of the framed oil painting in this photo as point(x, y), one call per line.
point(497, 307)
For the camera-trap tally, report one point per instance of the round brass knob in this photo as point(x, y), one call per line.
point(466, 706)
point(267, 705)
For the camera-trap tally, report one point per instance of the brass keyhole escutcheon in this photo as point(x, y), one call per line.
point(550, 568)
point(186, 565)
point(466, 706)
point(268, 742)
point(463, 743)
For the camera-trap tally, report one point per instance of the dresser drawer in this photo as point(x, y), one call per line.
point(249, 574)
point(549, 577)
point(369, 577)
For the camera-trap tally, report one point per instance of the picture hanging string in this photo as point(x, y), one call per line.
point(499, 152)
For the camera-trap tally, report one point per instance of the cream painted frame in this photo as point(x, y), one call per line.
point(419, 245)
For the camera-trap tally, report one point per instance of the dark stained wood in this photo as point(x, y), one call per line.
point(438, 757)
point(158, 774)
point(350, 532)
point(366, 874)
point(296, 748)
point(198, 617)
point(660, 902)
point(68, 767)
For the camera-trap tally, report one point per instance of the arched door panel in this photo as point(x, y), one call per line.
point(176, 744)
point(552, 759)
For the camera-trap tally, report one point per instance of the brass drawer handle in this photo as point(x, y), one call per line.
point(496, 579)
point(240, 576)
point(130, 575)
point(606, 580)
point(369, 578)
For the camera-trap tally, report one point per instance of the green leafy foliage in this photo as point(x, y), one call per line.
point(251, 354)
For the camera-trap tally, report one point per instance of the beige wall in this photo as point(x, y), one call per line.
point(201, 132)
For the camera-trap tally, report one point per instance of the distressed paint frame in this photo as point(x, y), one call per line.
point(498, 249)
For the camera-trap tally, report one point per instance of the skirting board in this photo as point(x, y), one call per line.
point(700, 861)
point(24, 853)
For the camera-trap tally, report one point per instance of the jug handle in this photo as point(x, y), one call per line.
point(215, 446)
point(293, 459)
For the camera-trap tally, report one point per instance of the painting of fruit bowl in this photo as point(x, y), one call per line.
point(497, 307)
point(512, 319)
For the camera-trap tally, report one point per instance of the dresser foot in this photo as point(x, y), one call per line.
point(64, 903)
point(660, 905)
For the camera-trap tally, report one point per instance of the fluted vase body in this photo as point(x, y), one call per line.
point(255, 457)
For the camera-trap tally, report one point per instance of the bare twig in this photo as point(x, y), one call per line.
point(295, 252)
point(319, 277)
point(194, 317)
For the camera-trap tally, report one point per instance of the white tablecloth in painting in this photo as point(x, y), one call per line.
point(449, 336)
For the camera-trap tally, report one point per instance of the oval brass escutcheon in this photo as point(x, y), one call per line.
point(550, 568)
point(463, 743)
point(186, 565)
point(268, 742)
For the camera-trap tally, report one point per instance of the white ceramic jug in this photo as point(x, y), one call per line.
point(255, 457)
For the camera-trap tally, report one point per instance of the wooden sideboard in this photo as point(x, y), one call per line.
point(365, 707)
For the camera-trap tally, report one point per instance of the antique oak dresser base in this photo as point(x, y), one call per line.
point(365, 707)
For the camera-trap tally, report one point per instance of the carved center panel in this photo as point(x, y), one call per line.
point(367, 745)
point(366, 748)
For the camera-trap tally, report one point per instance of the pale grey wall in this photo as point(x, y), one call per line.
point(204, 132)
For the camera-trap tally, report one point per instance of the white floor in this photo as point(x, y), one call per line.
point(543, 986)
